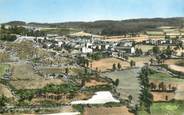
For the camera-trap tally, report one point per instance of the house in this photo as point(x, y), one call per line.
point(119, 54)
point(129, 50)
point(105, 46)
point(125, 43)
point(86, 50)
point(151, 41)
point(126, 46)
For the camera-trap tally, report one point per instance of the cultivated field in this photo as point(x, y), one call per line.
point(4, 57)
point(93, 82)
point(146, 48)
point(119, 38)
point(164, 77)
point(172, 61)
point(23, 71)
point(3, 68)
point(174, 64)
point(107, 111)
point(5, 91)
point(23, 49)
point(168, 79)
point(128, 83)
point(23, 77)
point(72, 70)
point(35, 84)
point(106, 64)
point(161, 96)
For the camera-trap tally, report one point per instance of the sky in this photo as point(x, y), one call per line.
point(87, 10)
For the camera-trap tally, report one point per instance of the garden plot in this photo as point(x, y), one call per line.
point(128, 83)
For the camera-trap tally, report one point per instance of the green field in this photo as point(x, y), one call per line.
point(128, 83)
point(3, 68)
point(163, 77)
point(60, 31)
point(166, 108)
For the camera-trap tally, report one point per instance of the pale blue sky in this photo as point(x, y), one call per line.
point(87, 10)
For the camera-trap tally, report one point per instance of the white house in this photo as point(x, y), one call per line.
point(86, 50)
point(132, 50)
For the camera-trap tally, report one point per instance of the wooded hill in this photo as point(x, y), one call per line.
point(110, 27)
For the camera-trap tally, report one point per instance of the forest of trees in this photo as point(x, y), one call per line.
point(20, 31)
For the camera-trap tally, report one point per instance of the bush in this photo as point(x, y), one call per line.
point(79, 108)
point(8, 37)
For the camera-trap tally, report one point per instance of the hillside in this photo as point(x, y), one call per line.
point(110, 27)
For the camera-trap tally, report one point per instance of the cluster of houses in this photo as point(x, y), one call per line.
point(159, 41)
point(81, 45)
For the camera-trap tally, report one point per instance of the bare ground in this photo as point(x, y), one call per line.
point(107, 111)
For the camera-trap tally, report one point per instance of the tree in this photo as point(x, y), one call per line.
point(146, 97)
point(133, 44)
point(8, 37)
point(114, 67)
point(91, 64)
point(82, 82)
point(151, 61)
point(169, 86)
point(96, 72)
point(66, 70)
point(168, 51)
point(81, 61)
point(138, 52)
point(119, 66)
point(130, 98)
point(3, 101)
point(85, 71)
point(132, 63)
point(116, 82)
point(87, 63)
point(152, 86)
point(161, 86)
point(160, 58)
point(156, 50)
point(3, 27)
